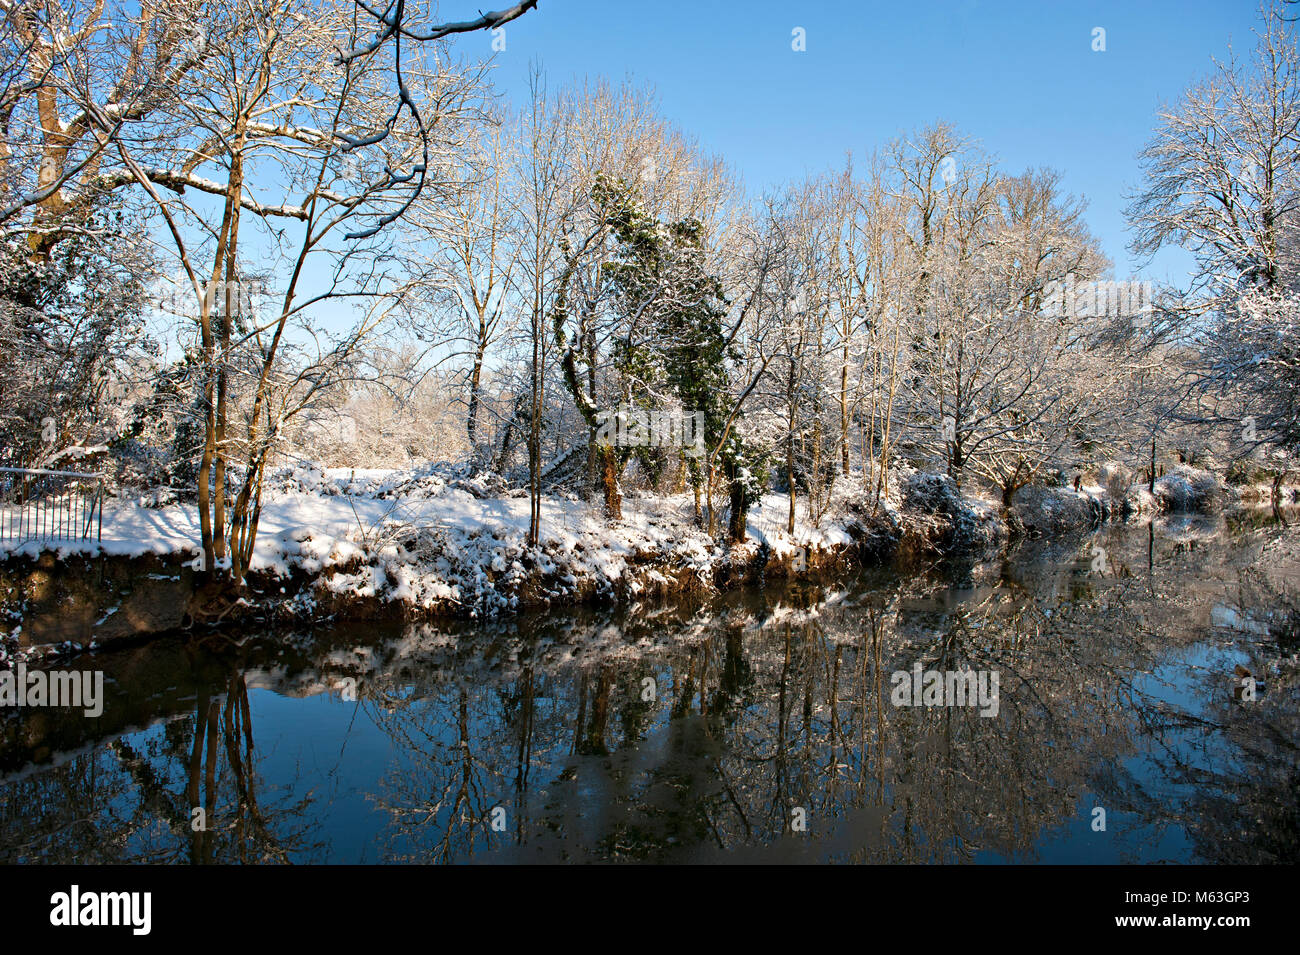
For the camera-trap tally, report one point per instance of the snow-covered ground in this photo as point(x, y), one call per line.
point(131, 528)
point(414, 537)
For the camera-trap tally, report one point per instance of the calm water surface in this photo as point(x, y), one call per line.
point(756, 726)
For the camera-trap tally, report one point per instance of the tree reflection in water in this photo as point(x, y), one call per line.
point(132, 797)
point(710, 730)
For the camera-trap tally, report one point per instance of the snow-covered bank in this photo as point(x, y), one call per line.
point(412, 544)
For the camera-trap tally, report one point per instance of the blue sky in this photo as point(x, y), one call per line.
point(1018, 75)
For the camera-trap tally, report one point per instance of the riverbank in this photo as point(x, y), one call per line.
point(394, 545)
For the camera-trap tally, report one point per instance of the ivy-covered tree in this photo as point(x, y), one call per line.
point(669, 349)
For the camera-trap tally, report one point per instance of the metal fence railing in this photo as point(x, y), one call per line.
point(50, 505)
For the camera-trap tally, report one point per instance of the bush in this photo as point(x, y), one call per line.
point(1187, 489)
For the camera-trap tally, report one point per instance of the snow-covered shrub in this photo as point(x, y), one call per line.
point(71, 330)
point(1044, 511)
point(1139, 500)
point(933, 494)
point(947, 519)
point(1187, 489)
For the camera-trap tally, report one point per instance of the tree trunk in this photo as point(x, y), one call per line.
point(1151, 483)
point(475, 378)
point(789, 448)
point(739, 512)
point(231, 296)
point(609, 469)
point(212, 536)
point(844, 414)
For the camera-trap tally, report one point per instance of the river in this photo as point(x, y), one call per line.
point(762, 724)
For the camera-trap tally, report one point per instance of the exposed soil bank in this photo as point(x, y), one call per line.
point(73, 601)
point(52, 600)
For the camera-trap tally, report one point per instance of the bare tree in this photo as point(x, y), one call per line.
point(273, 101)
point(542, 200)
point(1223, 180)
point(1222, 173)
point(470, 272)
point(396, 21)
point(78, 80)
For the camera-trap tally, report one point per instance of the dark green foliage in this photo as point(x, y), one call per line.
point(673, 310)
